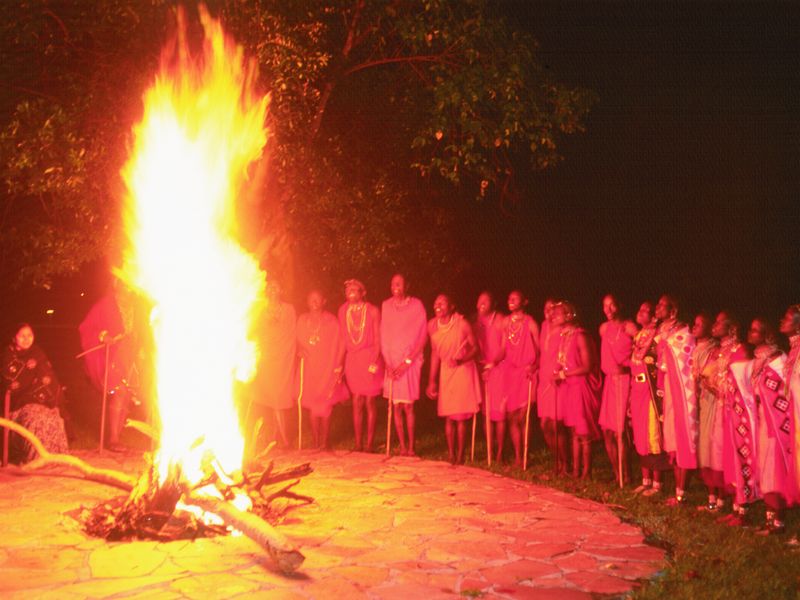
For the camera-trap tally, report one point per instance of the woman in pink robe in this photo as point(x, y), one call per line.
point(578, 387)
point(616, 343)
point(321, 349)
point(458, 389)
point(519, 368)
point(489, 334)
point(363, 367)
point(551, 414)
point(403, 336)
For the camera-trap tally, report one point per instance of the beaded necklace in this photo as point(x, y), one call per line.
point(351, 326)
point(514, 335)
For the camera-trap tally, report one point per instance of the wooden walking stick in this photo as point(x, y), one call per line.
point(300, 407)
point(389, 418)
point(105, 400)
point(621, 431)
point(6, 415)
point(527, 425)
point(488, 419)
point(474, 426)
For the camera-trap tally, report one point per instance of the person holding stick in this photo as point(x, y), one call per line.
point(452, 360)
point(403, 337)
point(551, 414)
point(489, 333)
point(321, 348)
point(519, 366)
point(616, 343)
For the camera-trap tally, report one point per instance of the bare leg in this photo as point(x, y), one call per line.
point(315, 421)
point(514, 426)
point(372, 419)
point(358, 413)
point(610, 439)
point(586, 451)
point(324, 429)
point(280, 420)
point(410, 423)
point(548, 430)
point(576, 454)
point(500, 430)
point(117, 413)
point(461, 427)
point(398, 426)
point(561, 443)
point(449, 434)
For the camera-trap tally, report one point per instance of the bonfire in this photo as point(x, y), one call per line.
point(202, 129)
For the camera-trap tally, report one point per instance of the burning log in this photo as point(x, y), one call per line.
point(164, 510)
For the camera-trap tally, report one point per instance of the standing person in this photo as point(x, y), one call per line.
point(775, 445)
point(35, 394)
point(273, 386)
point(403, 337)
point(115, 320)
point(742, 429)
point(616, 343)
point(519, 368)
point(647, 403)
point(360, 322)
point(706, 352)
point(452, 359)
point(790, 327)
point(578, 384)
point(675, 346)
point(551, 415)
point(715, 382)
point(321, 347)
point(489, 334)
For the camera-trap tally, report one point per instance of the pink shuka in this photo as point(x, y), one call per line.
point(489, 336)
point(546, 396)
point(776, 433)
point(579, 395)
point(459, 388)
point(274, 382)
point(521, 350)
point(744, 428)
point(361, 332)
point(681, 425)
point(615, 356)
point(319, 343)
point(403, 328)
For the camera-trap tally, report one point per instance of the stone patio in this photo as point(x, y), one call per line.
point(403, 528)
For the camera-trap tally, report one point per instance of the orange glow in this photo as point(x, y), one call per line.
point(203, 124)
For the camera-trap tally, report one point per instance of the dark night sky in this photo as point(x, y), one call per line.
point(687, 177)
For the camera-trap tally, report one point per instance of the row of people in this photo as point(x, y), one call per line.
point(691, 397)
point(702, 398)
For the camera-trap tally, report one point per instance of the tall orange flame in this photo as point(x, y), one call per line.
point(203, 125)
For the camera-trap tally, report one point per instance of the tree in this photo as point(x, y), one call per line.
point(381, 112)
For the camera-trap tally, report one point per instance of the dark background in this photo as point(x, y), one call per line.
point(686, 180)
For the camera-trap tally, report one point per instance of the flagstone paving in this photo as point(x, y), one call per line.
point(403, 528)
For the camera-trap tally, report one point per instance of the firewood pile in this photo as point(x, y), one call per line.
point(250, 502)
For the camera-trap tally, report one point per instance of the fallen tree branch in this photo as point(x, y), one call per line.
point(46, 458)
point(286, 556)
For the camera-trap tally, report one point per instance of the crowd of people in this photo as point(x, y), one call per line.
point(708, 397)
